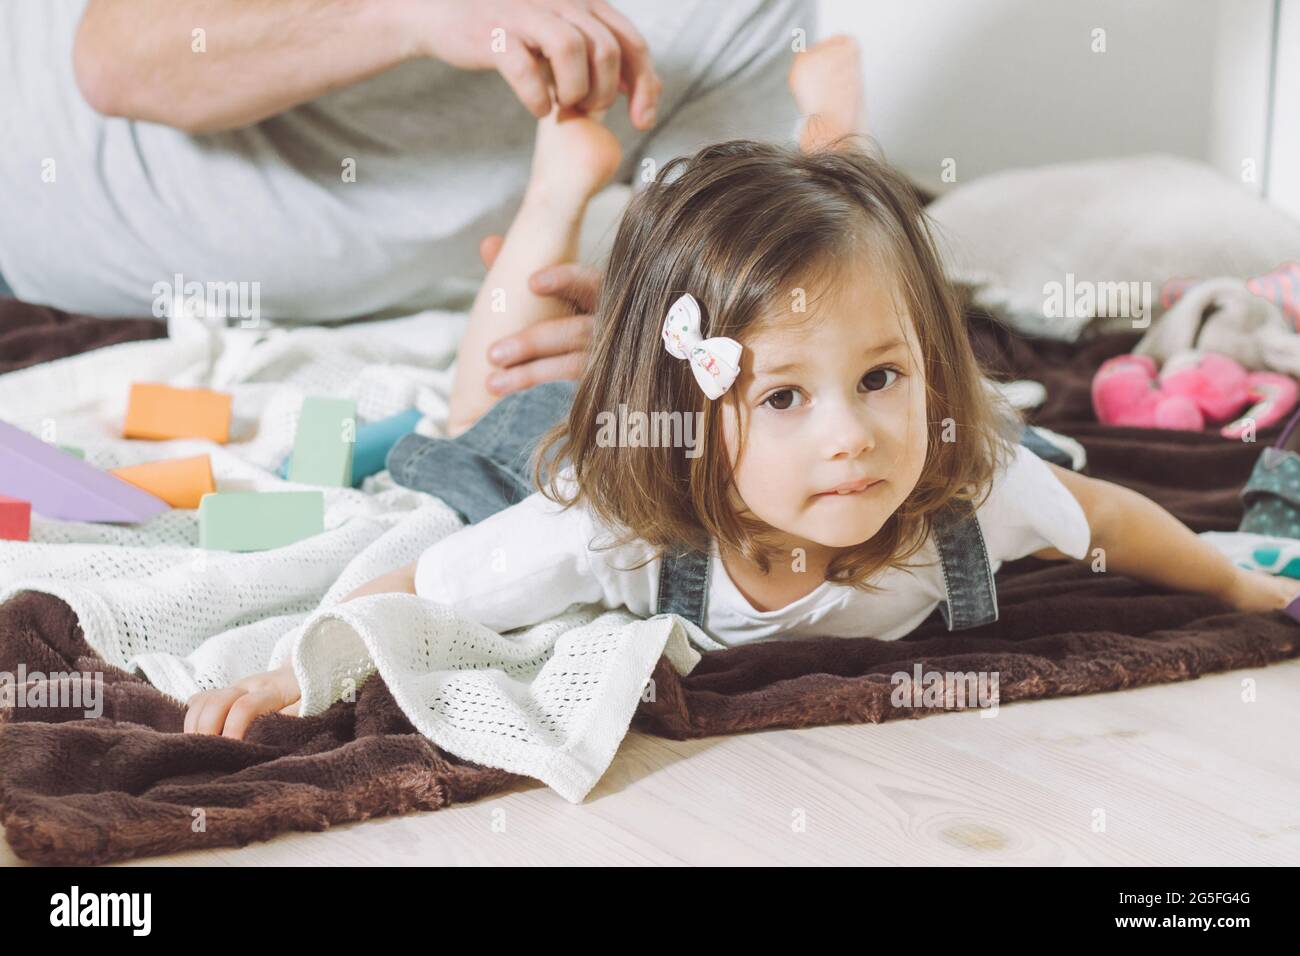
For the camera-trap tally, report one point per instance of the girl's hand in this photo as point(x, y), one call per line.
point(229, 710)
point(1257, 591)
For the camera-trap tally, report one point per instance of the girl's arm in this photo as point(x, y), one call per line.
point(228, 711)
point(524, 564)
point(515, 568)
point(1140, 539)
point(401, 580)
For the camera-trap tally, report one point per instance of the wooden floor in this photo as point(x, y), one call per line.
point(1179, 774)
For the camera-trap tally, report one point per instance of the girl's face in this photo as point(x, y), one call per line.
point(838, 400)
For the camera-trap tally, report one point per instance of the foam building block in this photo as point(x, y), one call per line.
point(60, 486)
point(374, 441)
point(181, 482)
point(15, 519)
point(161, 412)
point(322, 446)
point(259, 520)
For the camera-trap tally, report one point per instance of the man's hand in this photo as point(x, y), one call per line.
point(555, 348)
point(134, 58)
point(228, 711)
point(586, 49)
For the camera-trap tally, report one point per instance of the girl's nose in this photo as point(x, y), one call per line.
point(849, 430)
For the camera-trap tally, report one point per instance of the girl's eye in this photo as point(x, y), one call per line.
point(783, 399)
point(780, 400)
point(873, 377)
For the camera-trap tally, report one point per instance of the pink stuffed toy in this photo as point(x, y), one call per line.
point(1215, 383)
point(1125, 391)
point(1194, 387)
point(1273, 394)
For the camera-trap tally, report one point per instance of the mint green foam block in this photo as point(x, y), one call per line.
point(322, 447)
point(259, 520)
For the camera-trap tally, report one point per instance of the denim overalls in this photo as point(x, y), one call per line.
point(485, 469)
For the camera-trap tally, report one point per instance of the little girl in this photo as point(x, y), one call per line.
point(782, 431)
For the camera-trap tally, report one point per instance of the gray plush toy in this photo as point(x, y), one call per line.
point(1224, 316)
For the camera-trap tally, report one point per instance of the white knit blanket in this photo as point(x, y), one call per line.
point(551, 702)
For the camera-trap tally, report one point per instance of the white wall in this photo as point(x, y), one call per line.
point(1239, 109)
point(1284, 156)
point(996, 84)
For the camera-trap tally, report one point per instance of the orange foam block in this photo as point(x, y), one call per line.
point(181, 482)
point(160, 412)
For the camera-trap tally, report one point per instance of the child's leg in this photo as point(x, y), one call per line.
point(574, 157)
point(489, 466)
point(826, 81)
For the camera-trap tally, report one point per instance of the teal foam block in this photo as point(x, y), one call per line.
point(322, 447)
point(374, 441)
point(259, 520)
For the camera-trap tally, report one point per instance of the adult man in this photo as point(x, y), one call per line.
point(345, 155)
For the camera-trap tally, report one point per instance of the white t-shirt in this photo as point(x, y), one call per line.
point(532, 561)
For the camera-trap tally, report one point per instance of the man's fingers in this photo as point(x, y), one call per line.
point(519, 377)
point(637, 70)
point(543, 339)
point(573, 282)
point(604, 61)
point(489, 248)
point(589, 53)
point(523, 72)
point(565, 49)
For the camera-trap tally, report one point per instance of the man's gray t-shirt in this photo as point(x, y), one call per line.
point(94, 212)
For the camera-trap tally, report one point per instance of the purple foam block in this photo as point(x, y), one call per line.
point(61, 486)
point(1292, 610)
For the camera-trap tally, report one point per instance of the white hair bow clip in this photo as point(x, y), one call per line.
point(715, 362)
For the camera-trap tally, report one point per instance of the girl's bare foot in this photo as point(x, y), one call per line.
point(826, 81)
point(575, 156)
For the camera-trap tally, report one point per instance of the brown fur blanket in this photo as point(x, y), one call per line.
point(31, 334)
point(128, 784)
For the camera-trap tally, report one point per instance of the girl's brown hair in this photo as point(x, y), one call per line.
point(741, 227)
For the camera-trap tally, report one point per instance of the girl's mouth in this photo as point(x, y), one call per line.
point(850, 488)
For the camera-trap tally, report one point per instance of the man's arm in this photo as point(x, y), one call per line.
point(210, 65)
point(148, 60)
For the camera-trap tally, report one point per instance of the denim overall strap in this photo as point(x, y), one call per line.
point(967, 573)
point(684, 585)
point(964, 561)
